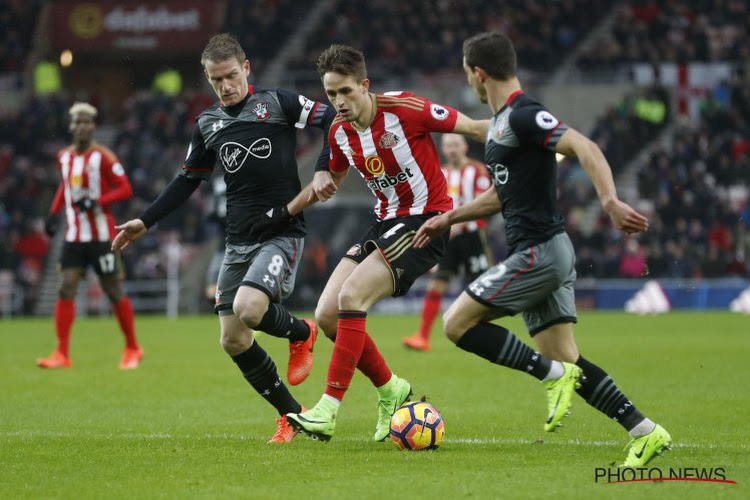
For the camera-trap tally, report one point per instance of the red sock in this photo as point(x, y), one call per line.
point(124, 312)
point(372, 364)
point(350, 340)
point(65, 313)
point(430, 310)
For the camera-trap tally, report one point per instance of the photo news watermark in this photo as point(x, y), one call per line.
point(620, 475)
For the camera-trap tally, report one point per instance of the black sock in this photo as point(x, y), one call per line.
point(497, 345)
point(600, 391)
point(279, 323)
point(259, 369)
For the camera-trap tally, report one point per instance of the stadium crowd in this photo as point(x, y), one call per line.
point(696, 190)
point(676, 31)
point(406, 38)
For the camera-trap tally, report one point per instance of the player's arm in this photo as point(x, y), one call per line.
point(304, 112)
point(308, 195)
point(473, 129)
point(52, 221)
point(624, 217)
point(121, 188)
point(482, 206)
point(439, 118)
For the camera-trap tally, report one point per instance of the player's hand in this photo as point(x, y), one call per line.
point(271, 223)
point(430, 230)
point(129, 232)
point(51, 224)
point(625, 218)
point(323, 185)
point(85, 204)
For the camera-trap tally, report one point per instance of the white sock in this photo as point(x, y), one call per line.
point(644, 427)
point(331, 399)
point(556, 371)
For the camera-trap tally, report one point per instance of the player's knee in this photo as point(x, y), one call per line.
point(234, 345)
point(452, 326)
point(250, 314)
point(327, 320)
point(349, 297)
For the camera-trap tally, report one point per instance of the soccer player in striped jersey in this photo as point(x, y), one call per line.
point(92, 180)
point(538, 276)
point(386, 138)
point(467, 248)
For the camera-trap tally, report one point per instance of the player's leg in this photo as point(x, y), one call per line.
point(368, 283)
point(420, 341)
point(327, 310)
point(515, 285)
point(600, 391)
point(371, 362)
point(108, 267)
point(259, 370)
point(268, 280)
point(72, 263)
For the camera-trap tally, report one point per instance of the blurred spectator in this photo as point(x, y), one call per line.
point(633, 260)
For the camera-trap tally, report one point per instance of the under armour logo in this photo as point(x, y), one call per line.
point(216, 126)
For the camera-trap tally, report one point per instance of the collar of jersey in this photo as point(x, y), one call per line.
point(243, 101)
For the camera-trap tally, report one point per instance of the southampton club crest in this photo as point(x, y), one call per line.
point(261, 111)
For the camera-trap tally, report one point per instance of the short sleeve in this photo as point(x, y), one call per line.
point(534, 124)
point(438, 118)
point(300, 110)
point(111, 166)
point(338, 162)
point(199, 162)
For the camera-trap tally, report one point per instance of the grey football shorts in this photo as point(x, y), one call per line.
point(271, 267)
point(537, 282)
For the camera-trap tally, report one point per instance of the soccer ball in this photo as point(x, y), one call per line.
point(417, 426)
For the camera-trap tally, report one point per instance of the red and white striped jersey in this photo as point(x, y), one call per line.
point(396, 155)
point(465, 184)
point(96, 174)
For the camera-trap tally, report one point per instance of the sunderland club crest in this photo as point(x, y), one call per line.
point(388, 140)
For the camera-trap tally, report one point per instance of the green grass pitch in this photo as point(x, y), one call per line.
point(186, 425)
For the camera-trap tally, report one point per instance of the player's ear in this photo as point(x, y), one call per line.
point(481, 73)
point(246, 67)
point(365, 85)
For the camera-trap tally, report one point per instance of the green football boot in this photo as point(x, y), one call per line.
point(559, 394)
point(318, 422)
point(643, 449)
point(390, 398)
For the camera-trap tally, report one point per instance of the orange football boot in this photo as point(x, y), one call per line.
point(56, 360)
point(301, 356)
point(416, 342)
point(131, 358)
point(284, 432)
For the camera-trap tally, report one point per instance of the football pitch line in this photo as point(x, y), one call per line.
point(242, 437)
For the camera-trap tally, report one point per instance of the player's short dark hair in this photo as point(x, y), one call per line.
point(223, 47)
point(344, 60)
point(493, 52)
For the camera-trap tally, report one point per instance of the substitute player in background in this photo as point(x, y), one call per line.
point(467, 248)
point(92, 180)
point(538, 276)
point(252, 134)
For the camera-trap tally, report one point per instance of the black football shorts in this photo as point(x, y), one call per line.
point(393, 238)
